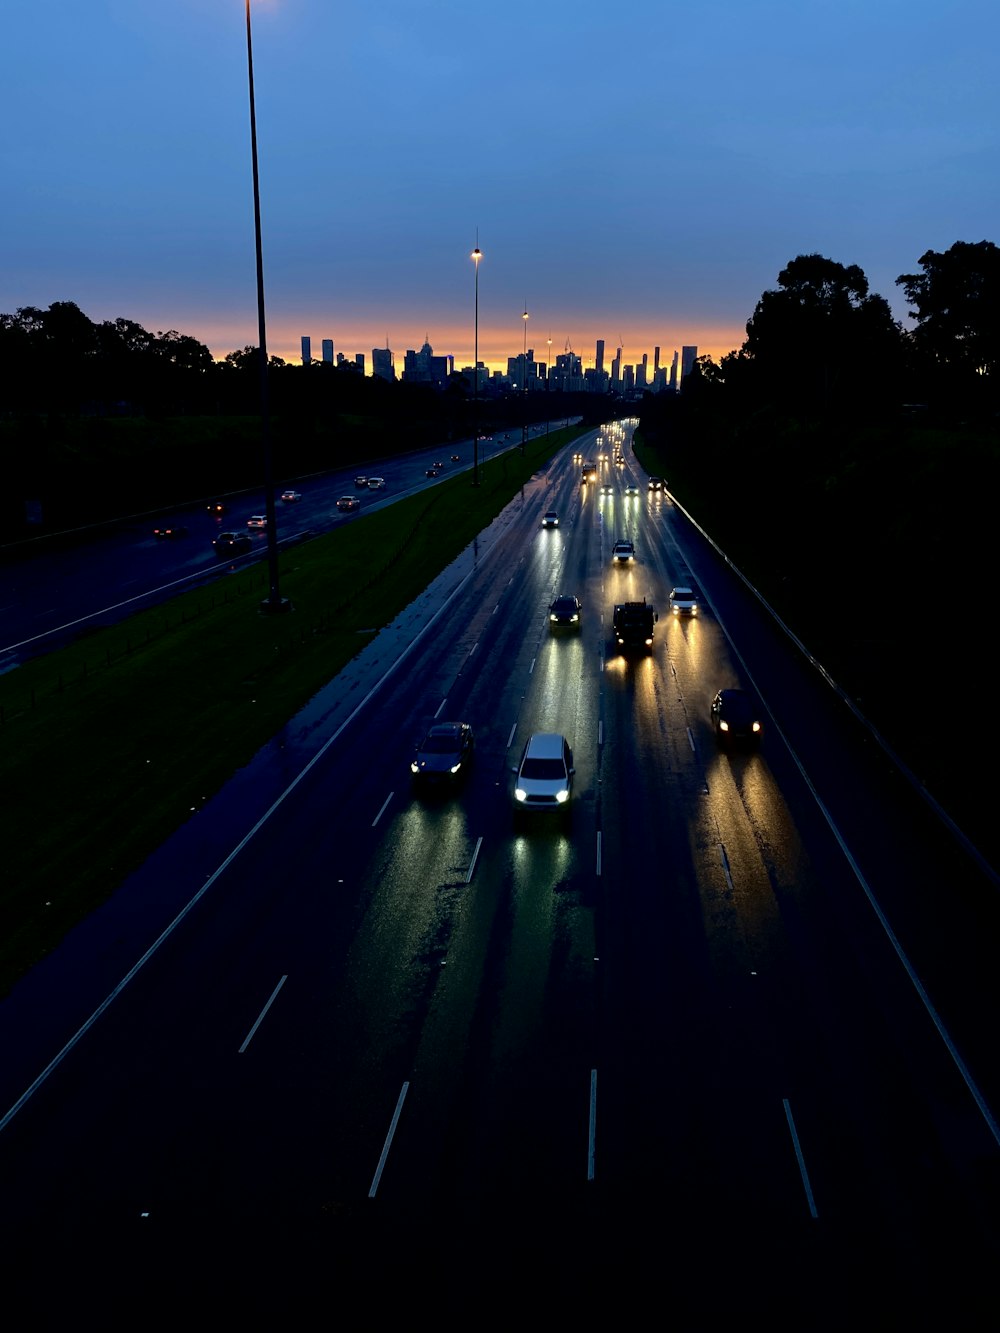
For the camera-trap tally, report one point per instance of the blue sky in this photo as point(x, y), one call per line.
point(638, 173)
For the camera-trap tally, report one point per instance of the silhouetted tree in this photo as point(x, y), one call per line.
point(957, 330)
point(811, 344)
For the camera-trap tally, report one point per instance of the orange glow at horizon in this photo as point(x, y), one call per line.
point(496, 342)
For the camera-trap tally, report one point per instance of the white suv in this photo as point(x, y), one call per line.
point(684, 602)
point(544, 777)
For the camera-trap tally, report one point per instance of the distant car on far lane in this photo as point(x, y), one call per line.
point(291, 496)
point(348, 502)
point(455, 458)
point(257, 521)
point(171, 530)
point(360, 480)
point(216, 507)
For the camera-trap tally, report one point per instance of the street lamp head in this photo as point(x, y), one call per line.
point(476, 255)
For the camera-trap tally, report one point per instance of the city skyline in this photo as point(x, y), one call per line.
point(327, 349)
point(642, 182)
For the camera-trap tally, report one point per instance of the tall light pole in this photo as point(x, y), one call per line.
point(548, 383)
point(274, 601)
point(524, 380)
point(477, 254)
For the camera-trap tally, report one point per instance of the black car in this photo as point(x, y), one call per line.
point(169, 530)
point(445, 752)
point(232, 543)
point(216, 507)
point(565, 612)
point(735, 718)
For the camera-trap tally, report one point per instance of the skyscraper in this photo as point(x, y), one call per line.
point(328, 351)
point(599, 359)
point(689, 355)
point(306, 350)
point(382, 364)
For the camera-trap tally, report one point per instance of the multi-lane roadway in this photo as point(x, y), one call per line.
point(721, 1044)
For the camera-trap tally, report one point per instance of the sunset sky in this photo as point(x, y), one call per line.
point(639, 173)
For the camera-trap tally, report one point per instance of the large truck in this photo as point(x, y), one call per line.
point(588, 472)
point(633, 626)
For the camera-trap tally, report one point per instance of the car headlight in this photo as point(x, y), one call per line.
point(455, 767)
point(723, 726)
point(520, 794)
point(562, 797)
point(414, 767)
point(756, 726)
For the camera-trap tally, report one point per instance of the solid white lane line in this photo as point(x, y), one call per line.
point(249, 1037)
point(592, 1127)
point(472, 863)
point(799, 1158)
point(388, 1141)
point(382, 811)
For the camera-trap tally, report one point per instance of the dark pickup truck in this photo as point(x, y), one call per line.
point(633, 626)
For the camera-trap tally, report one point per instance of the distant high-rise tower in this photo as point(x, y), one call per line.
point(306, 351)
point(640, 372)
point(656, 362)
point(689, 355)
point(328, 351)
point(616, 367)
point(673, 372)
point(382, 364)
point(599, 359)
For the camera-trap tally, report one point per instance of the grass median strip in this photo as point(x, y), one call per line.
point(109, 744)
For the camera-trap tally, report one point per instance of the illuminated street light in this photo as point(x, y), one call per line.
point(274, 601)
point(477, 254)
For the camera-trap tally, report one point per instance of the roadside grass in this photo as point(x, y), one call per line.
point(108, 745)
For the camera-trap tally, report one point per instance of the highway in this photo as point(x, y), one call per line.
point(120, 568)
point(722, 1043)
